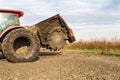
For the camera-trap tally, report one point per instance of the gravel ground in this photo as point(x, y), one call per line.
point(68, 65)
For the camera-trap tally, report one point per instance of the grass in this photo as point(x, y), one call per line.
point(96, 46)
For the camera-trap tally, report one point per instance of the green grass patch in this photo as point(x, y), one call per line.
point(96, 51)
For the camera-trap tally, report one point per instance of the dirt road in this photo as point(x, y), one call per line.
point(68, 65)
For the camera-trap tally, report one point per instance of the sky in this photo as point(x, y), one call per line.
point(89, 19)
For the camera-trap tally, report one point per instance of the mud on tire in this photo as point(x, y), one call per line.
point(57, 40)
point(21, 45)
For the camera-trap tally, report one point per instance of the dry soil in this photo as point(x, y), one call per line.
point(67, 65)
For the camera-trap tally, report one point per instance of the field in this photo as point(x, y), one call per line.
point(67, 65)
point(96, 46)
point(77, 61)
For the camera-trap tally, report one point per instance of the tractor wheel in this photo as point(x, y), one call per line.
point(21, 45)
point(56, 40)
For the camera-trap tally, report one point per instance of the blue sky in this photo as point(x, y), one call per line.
point(89, 19)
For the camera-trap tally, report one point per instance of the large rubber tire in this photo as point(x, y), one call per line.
point(56, 40)
point(21, 45)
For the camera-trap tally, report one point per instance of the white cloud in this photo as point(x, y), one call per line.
point(96, 31)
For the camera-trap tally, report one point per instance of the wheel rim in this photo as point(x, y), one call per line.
point(21, 46)
point(56, 38)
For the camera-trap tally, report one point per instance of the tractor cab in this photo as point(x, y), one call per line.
point(9, 17)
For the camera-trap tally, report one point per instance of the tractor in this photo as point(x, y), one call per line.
point(22, 43)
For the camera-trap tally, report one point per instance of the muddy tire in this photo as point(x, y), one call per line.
point(56, 40)
point(21, 45)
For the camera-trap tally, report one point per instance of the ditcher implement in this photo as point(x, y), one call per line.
point(22, 43)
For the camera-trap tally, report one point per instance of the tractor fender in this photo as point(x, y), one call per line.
point(8, 29)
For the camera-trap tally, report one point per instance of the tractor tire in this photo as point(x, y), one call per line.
point(21, 45)
point(56, 40)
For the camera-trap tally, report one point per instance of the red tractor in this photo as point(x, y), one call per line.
point(22, 44)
